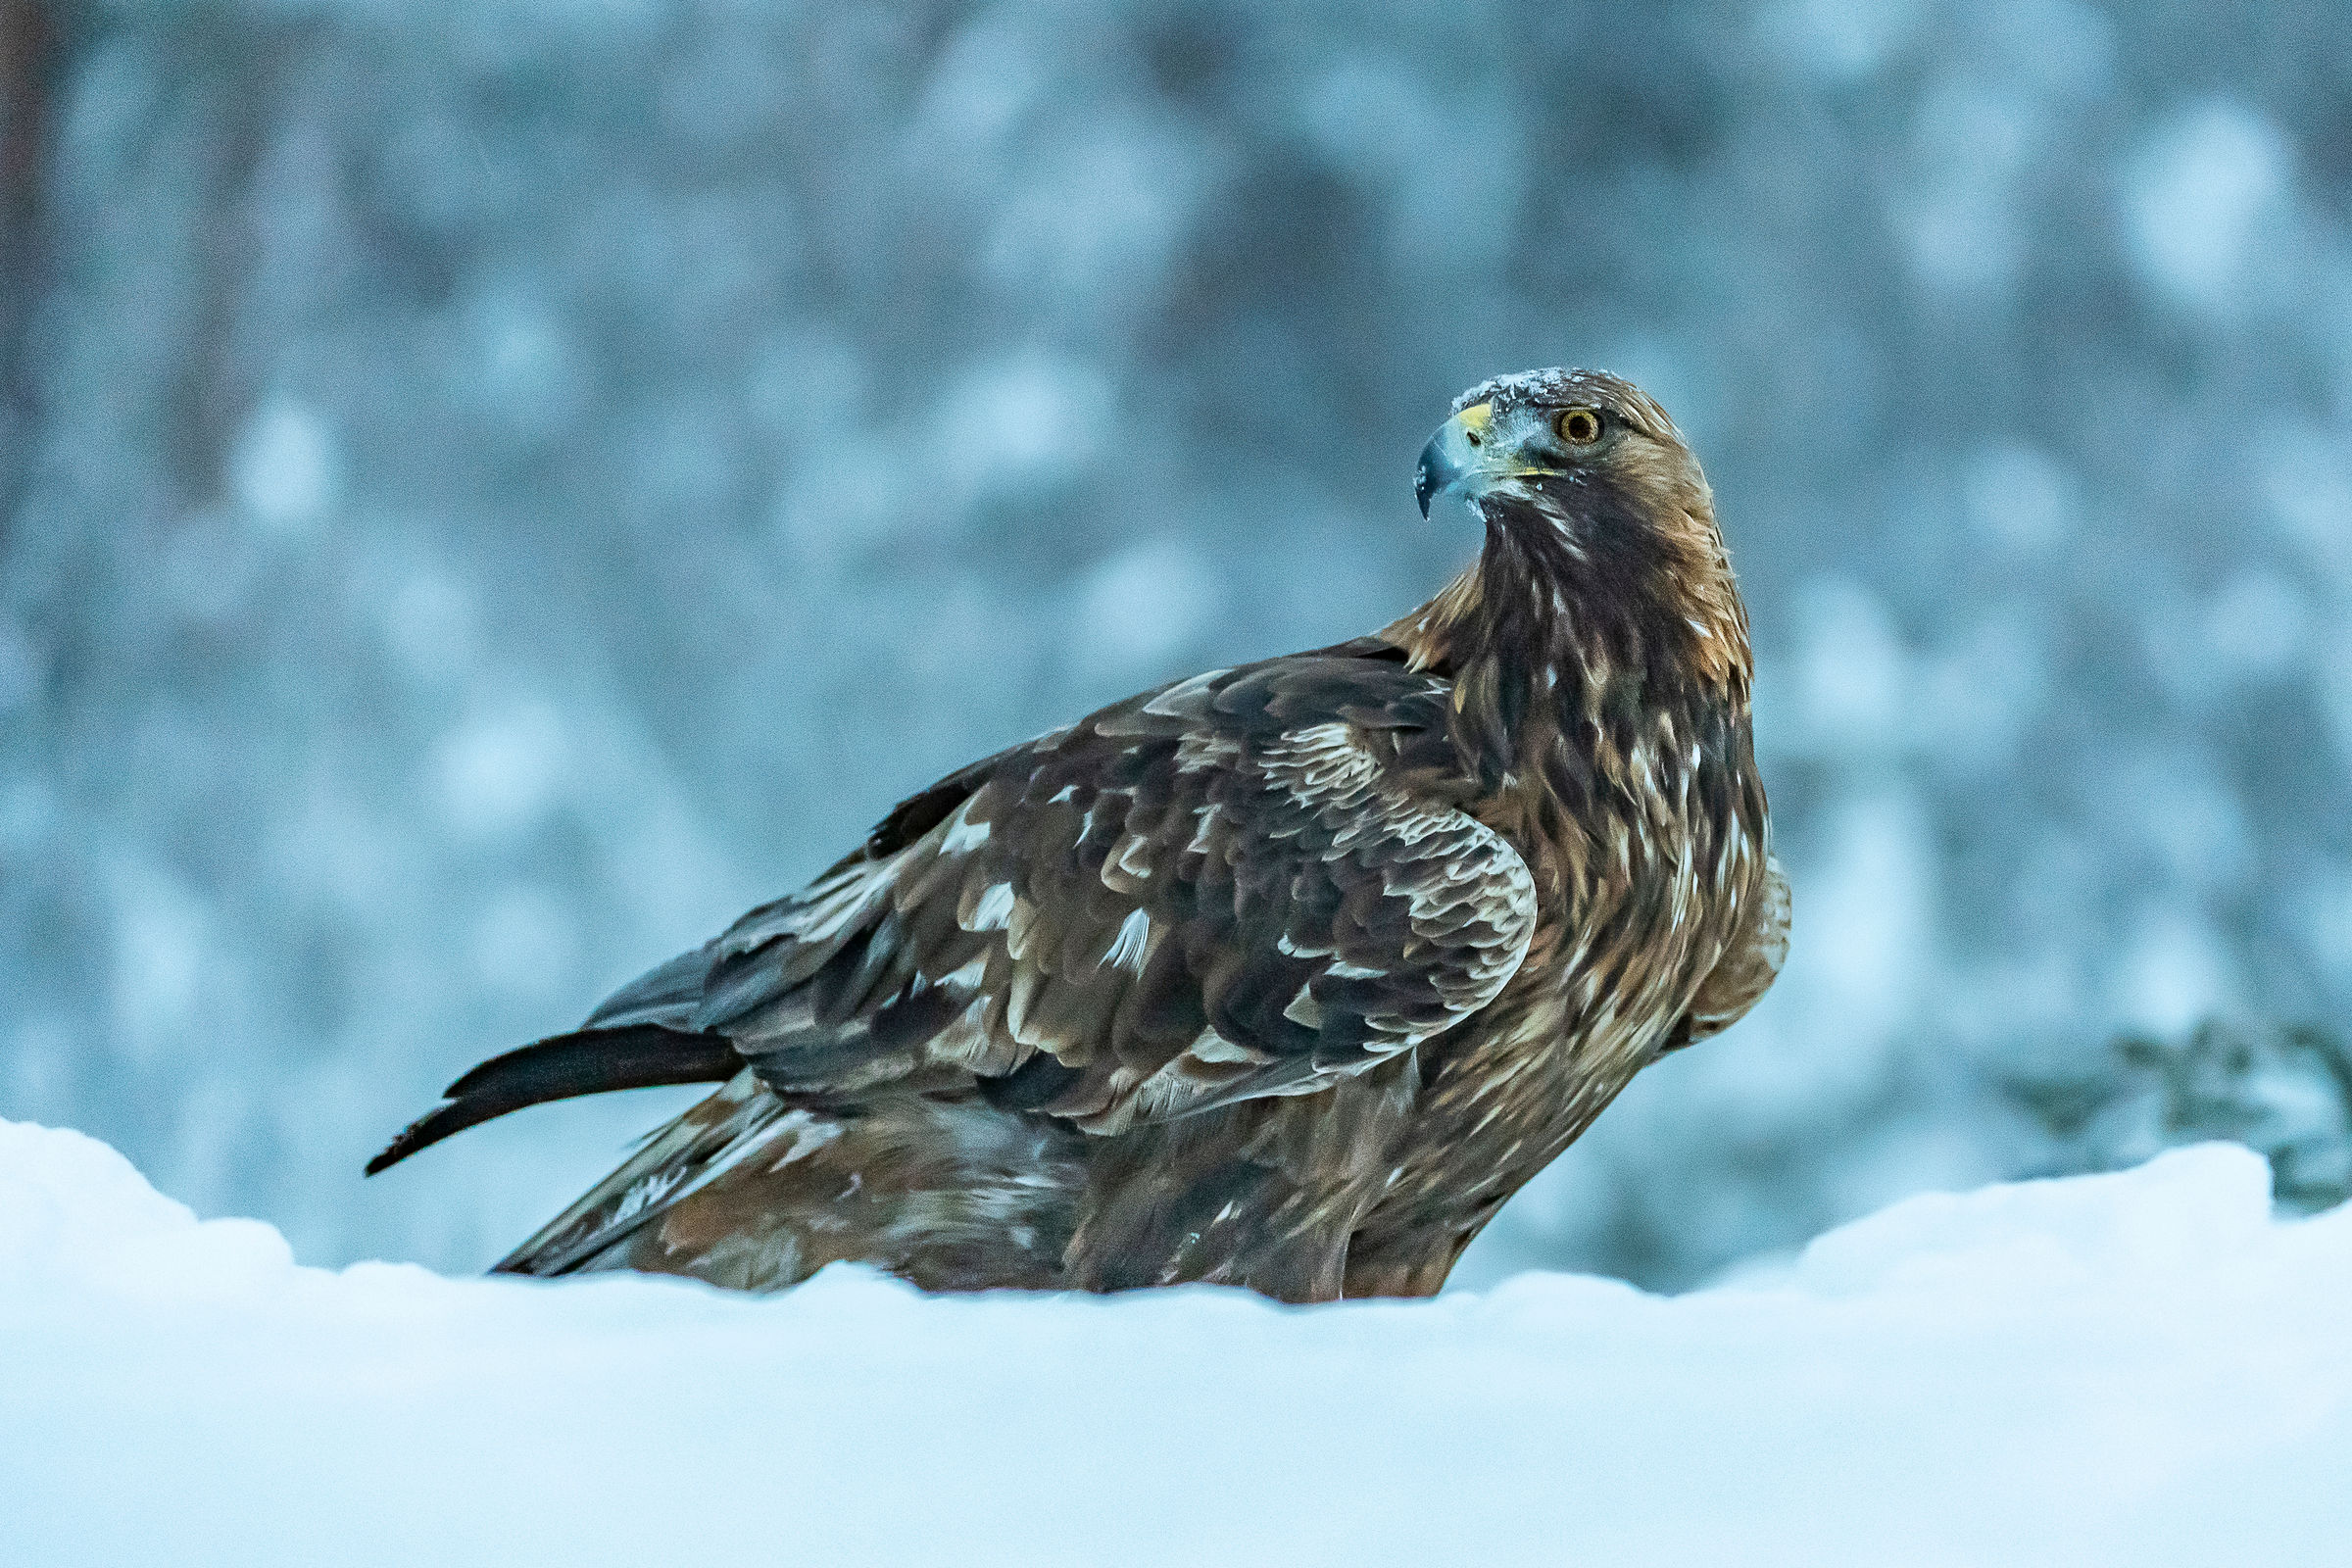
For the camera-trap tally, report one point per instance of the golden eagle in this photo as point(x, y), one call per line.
point(1283, 976)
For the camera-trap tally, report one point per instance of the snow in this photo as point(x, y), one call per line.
point(2145, 1368)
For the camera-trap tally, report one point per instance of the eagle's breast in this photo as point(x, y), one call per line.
point(1645, 840)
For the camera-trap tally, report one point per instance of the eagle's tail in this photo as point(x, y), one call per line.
point(588, 1062)
point(677, 1161)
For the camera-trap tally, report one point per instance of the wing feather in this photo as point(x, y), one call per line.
point(1227, 888)
point(1253, 882)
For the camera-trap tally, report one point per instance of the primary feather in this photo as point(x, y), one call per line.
point(1282, 975)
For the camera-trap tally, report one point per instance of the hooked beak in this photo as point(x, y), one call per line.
point(1455, 454)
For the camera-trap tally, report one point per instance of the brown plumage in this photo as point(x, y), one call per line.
point(1283, 976)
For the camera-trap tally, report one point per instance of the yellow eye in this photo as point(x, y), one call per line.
point(1579, 428)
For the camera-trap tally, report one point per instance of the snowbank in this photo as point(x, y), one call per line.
point(2143, 1368)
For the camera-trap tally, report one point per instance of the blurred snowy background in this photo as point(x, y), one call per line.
point(490, 489)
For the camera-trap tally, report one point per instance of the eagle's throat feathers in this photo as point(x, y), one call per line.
point(1569, 628)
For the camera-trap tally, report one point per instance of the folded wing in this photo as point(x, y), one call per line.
point(1247, 884)
point(1255, 882)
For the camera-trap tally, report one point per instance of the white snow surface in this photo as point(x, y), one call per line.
point(2143, 1368)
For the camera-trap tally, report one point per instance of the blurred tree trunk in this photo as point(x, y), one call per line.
point(26, 42)
point(25, 37)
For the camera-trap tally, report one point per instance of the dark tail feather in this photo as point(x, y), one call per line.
point(589, 1062)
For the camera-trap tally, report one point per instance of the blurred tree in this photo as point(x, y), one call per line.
point(2283, 1090)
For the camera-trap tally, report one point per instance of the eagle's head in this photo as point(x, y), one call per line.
point(1583, 449)
point(1601, 528)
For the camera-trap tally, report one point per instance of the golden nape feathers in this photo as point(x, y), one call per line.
point(1285, 975)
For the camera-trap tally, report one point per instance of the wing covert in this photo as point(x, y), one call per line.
point(1249, 883)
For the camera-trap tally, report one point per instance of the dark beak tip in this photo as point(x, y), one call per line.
point(1433, 472)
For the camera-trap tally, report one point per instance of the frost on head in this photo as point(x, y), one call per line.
point(1552, 385)
point(1562, 385)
